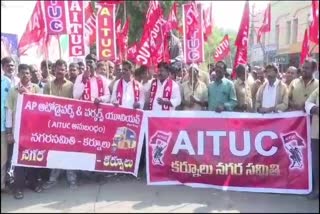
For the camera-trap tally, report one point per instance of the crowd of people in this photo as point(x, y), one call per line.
point(165, 87)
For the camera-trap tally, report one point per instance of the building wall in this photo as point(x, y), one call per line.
point(290, 37)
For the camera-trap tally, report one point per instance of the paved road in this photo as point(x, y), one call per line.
point(127, 194)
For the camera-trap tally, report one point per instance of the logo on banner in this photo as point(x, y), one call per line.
point(294, 144)
point(159, 143)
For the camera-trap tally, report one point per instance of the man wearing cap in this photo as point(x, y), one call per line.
point(90, 86)
point(222, 94)
point(127, 92)
point(194, 92)
point(164, 92)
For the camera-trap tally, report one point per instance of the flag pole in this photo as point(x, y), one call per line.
point(60, 48)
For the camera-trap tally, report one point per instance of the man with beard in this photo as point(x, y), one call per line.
point(90, 86)
point(8, 67)
point(73, 72)
point(301, 88)
point(60, 87)
point(24, 86)
point(164, 92)
point(127, 92)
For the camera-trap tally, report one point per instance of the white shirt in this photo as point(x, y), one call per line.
point(269, 95)
point(175, 96)
point(128, 97)
point(79, 86)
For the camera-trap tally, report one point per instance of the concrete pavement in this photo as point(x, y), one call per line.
point(123, 194)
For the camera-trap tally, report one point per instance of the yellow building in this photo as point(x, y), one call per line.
point(283, 43)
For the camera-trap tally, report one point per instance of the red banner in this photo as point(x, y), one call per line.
point(194, 43)
point(106, 33)
point(305, 48)
point(90, 25)
point(78, 135)
point(150, 49)
point(76, 36)
point(223, 49)
point(55, 16)
point(231, 151)
point(35, 31)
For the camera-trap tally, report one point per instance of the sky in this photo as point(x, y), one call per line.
point(227, 14)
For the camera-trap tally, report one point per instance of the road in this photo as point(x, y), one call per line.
point(127, 194)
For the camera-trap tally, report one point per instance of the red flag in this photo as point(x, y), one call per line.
point(55, 17)
point(131, 52)
point(314, 27)
point(192, 19)
point(172, 19)
point(305, 48)
point(265, 27)
point(35, 31)
point(242, 40)
point(90, 25)
point(151, 40)
point(76, 36)
point(123, 39)
point(193, 44)
point(223, 49)
point(106, 40)
point(208, 22)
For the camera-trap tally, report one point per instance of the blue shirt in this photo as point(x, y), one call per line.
point(5, 88)
point(222, 93)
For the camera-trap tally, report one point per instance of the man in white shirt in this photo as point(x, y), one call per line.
point(272, 96)
point(90, 86)
point(127, 92)
point(8, 67)
point(164, 92)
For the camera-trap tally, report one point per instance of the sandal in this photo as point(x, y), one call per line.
point(36, 188)
point(18, 194)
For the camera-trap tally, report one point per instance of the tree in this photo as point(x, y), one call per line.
point(137, 10)
point(214, 40)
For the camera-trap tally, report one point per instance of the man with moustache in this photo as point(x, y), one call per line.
point(73, 72)
point(60, 87)
point(24, 86)
point(272, 96)
point(90, 86)
point(128, 92)
point(8, 67)
point(164, 93)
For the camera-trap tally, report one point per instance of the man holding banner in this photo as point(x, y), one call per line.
point(60, 87)
point(222, 95)
point(24, 86)
point(90, 86)
point(127, 92)
point(164, 92)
